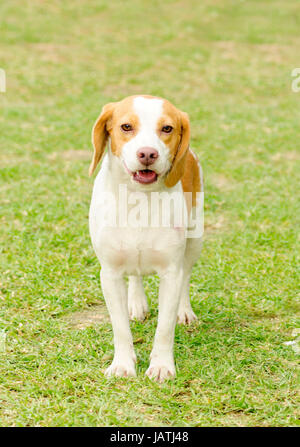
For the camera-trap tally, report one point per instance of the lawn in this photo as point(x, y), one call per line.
point(228, 64)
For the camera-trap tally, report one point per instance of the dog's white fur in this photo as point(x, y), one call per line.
point(136, 252)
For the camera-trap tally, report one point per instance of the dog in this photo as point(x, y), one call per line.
point(148, 152)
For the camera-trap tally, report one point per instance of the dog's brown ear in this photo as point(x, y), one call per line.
point(178, 165)
point(100, 135)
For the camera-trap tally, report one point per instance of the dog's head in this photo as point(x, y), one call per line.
point(149, 135)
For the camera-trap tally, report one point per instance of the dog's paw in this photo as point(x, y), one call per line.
point(121, 368)
point(160, 370)
point(186, 316)
point(137, 309)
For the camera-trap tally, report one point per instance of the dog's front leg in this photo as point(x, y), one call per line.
point(162, 360)
point(115, 294)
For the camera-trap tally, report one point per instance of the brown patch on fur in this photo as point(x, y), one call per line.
point(108, 124)
point(123, 114)
point(100, 135)
point(191, 181)
point(177, 141)
point(170, 117)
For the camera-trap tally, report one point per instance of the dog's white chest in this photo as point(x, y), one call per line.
point(136, 246)
point(139, 251)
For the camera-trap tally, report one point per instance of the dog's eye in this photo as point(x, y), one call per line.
point(126, 127)
point(167, 129)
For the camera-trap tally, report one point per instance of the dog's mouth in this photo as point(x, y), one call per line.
point(145, 176)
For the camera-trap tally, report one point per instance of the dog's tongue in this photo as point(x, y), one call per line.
point(145, 176)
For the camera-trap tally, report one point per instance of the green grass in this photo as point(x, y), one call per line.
point(228, 64)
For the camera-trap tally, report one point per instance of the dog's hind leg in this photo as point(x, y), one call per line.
point(137, 301)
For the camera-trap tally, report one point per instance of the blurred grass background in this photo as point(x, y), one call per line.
point(228, 64)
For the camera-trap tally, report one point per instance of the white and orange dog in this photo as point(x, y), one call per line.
point(148, 152)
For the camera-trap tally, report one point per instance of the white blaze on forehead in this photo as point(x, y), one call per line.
point(149, 110)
